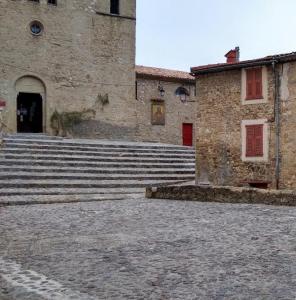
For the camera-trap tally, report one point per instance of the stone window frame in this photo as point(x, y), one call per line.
point(266, 130)
point(244, 87)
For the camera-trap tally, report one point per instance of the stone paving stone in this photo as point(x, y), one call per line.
point(153, 249)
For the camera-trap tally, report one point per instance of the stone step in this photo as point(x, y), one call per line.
point(30, 136)
point(15, 183)
point(70, 191)
point(8, 151)
point(95, 149)
point(97, 144)
point(55, 199)
point(89, 158)
point(96, 177)
point(91, 164)
point(49, 169)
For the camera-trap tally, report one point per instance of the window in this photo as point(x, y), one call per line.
point(254, 84)
point(36, 28)
point(254, 140)
point(52, 2)
point(34, 1)
point(183, 93)
point(114, 7)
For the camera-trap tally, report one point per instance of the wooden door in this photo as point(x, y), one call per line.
point(187, 134)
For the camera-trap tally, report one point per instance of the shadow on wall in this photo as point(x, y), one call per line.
point(83, 124)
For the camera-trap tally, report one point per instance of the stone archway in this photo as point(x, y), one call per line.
point(30, 113)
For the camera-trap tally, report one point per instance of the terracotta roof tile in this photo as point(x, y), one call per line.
point(163, 73)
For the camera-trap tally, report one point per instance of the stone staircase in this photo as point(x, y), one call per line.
point(36, 168)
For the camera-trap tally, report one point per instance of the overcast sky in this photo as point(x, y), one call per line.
point(178, 34)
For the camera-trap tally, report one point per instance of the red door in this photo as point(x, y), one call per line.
point(187, 134)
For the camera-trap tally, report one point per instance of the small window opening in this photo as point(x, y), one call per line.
point(36, 28)
point(114, 7)
point(35, 1)
point(259, 185)
point(52, 2)
point(183, 93)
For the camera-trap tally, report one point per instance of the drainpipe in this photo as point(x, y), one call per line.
point(277, 123)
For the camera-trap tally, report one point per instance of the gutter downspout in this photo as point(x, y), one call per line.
point(277, 124)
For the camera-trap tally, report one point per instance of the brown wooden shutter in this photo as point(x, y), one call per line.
point(258, 83)
point(249, 141)
point(258, 138)
point(249, 73)
point(254, 84)
point(254, 140)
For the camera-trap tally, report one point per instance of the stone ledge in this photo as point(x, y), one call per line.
point(223, 195)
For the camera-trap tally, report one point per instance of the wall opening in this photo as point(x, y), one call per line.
point(114, 7)
point(30, 105)
point(259, 185)
point(29, 113)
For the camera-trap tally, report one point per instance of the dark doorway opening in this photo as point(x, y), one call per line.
point(29, 113)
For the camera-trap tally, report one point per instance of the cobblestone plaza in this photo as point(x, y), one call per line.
point(147, 249)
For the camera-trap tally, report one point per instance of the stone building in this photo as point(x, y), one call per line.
point(69, 62)
point(246, 121)
point(67, 67)
point(171, 95)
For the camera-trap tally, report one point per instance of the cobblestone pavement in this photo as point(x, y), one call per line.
point(147, 249)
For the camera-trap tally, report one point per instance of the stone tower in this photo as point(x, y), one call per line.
point(67, 66)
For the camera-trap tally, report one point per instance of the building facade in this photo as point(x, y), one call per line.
point(165, 105)
point(246, 122)
point(68, 68)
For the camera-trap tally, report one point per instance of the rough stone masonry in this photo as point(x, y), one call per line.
point(82, 54)
point(226, 112)
point(69, 69)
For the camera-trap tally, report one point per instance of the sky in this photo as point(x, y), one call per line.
point(179, 34)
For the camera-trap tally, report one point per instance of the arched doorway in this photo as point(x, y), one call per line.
point(30, 104)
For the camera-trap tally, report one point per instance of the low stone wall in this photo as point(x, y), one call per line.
point(223, 195)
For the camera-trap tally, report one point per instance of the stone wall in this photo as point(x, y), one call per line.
point(176, 112)
point(80, 56)
point(223, 195)
point(218, 135)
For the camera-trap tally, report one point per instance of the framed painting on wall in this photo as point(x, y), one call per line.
point(157, 112)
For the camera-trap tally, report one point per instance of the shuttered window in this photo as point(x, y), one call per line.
point(254, 142)
point(254, 84)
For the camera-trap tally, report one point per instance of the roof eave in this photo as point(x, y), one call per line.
point(165, 78)
point(254, 63)
point(195, 72)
